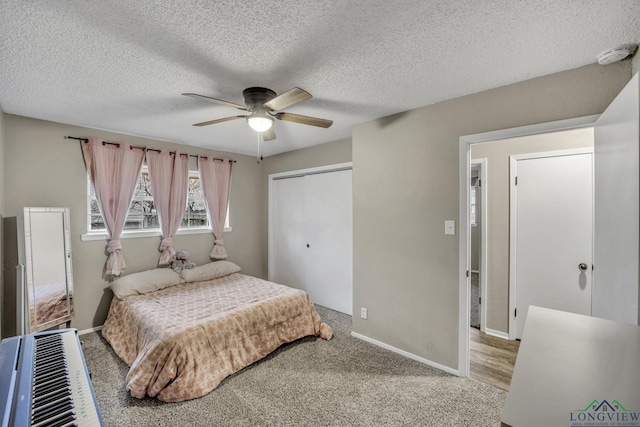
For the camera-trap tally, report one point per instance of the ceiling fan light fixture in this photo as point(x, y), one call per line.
point(260, 123)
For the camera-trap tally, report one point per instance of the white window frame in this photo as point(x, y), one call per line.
point(152, 232)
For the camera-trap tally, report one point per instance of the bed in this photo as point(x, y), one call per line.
point(48, 305)
point(181, 335)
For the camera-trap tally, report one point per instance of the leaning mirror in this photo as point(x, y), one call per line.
point(45, 279)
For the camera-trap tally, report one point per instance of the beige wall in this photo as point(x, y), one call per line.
point(497, 154)
point(44, 169)
point(405, 185)
point(318, 155)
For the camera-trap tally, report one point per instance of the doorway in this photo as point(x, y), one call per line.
point(466, 144)
point(615, 241)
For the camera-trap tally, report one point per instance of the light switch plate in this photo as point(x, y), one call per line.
point(450, 228)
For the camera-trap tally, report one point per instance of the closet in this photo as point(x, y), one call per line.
point(310, 234)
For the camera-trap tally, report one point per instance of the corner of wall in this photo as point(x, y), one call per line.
point(635, 64)
point(1, 218)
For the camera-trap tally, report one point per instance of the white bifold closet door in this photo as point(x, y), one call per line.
point(311, 247)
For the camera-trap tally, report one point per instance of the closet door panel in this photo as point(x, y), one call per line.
point(329, 219)
point(289, 224)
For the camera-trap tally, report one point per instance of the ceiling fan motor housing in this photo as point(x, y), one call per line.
point(255, 97)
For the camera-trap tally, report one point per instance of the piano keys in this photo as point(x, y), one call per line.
point(44, 382)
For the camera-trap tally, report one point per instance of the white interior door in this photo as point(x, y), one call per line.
point(617, 193)
point(553, 232)
point(288, 237)
point(310, 236)
point(328, 206)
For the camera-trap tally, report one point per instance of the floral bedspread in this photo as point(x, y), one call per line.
point(181, 342)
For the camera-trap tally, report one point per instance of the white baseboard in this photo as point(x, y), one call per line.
point(406, 354)
point(494, 333)
point(90, 330)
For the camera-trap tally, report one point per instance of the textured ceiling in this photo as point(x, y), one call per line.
point(121, 65)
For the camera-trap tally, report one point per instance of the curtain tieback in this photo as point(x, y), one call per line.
point(218, 242)
point(167, 251)
point(165, 244)
point(114, 246)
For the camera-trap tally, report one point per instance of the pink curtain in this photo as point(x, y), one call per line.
point(113, 170)
point(215, 177)
point(169, 174)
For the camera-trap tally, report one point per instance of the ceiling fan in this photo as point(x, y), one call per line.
point(265, 105)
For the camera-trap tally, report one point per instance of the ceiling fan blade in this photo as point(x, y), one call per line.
point(305, 120)
point(224, 119)
point(287, 99)
point(217, 101)
point(269, 134)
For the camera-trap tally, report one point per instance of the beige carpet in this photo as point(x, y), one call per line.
point(312, 382)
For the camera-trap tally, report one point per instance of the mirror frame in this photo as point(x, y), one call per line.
point(25, 278)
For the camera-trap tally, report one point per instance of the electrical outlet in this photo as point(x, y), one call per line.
point(363, 313)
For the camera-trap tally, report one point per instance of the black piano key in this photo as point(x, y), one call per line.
point(58, 388)
point(53, 352)
point(53, 419)
point(46, 381)
point(48, 369)
point(49, 387)
point(51, 410)
point(66, 420)
point(52, 372)
point(49, 364)
point(44, 369)
point(47, 376)
point(46, 353)
point(55, 395)
point(49, 339)
point(48, 342)
point(48, 349)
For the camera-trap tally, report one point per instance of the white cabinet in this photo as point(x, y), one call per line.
point(310, 235)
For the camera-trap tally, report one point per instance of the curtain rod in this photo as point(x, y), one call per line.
point(145, 148)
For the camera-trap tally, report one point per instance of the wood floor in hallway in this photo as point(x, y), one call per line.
point(492, 358)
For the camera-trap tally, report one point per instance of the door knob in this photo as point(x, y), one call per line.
point(582, 266)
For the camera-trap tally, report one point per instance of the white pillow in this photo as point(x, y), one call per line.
point(212, 270)
point(144, 281)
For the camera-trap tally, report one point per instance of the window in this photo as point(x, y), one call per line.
point(142, 214)
point(472, 202)
point(472, 206)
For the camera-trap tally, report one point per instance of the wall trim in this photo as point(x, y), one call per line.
point(90, 330)
point(497, 334)
point(406, 354)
